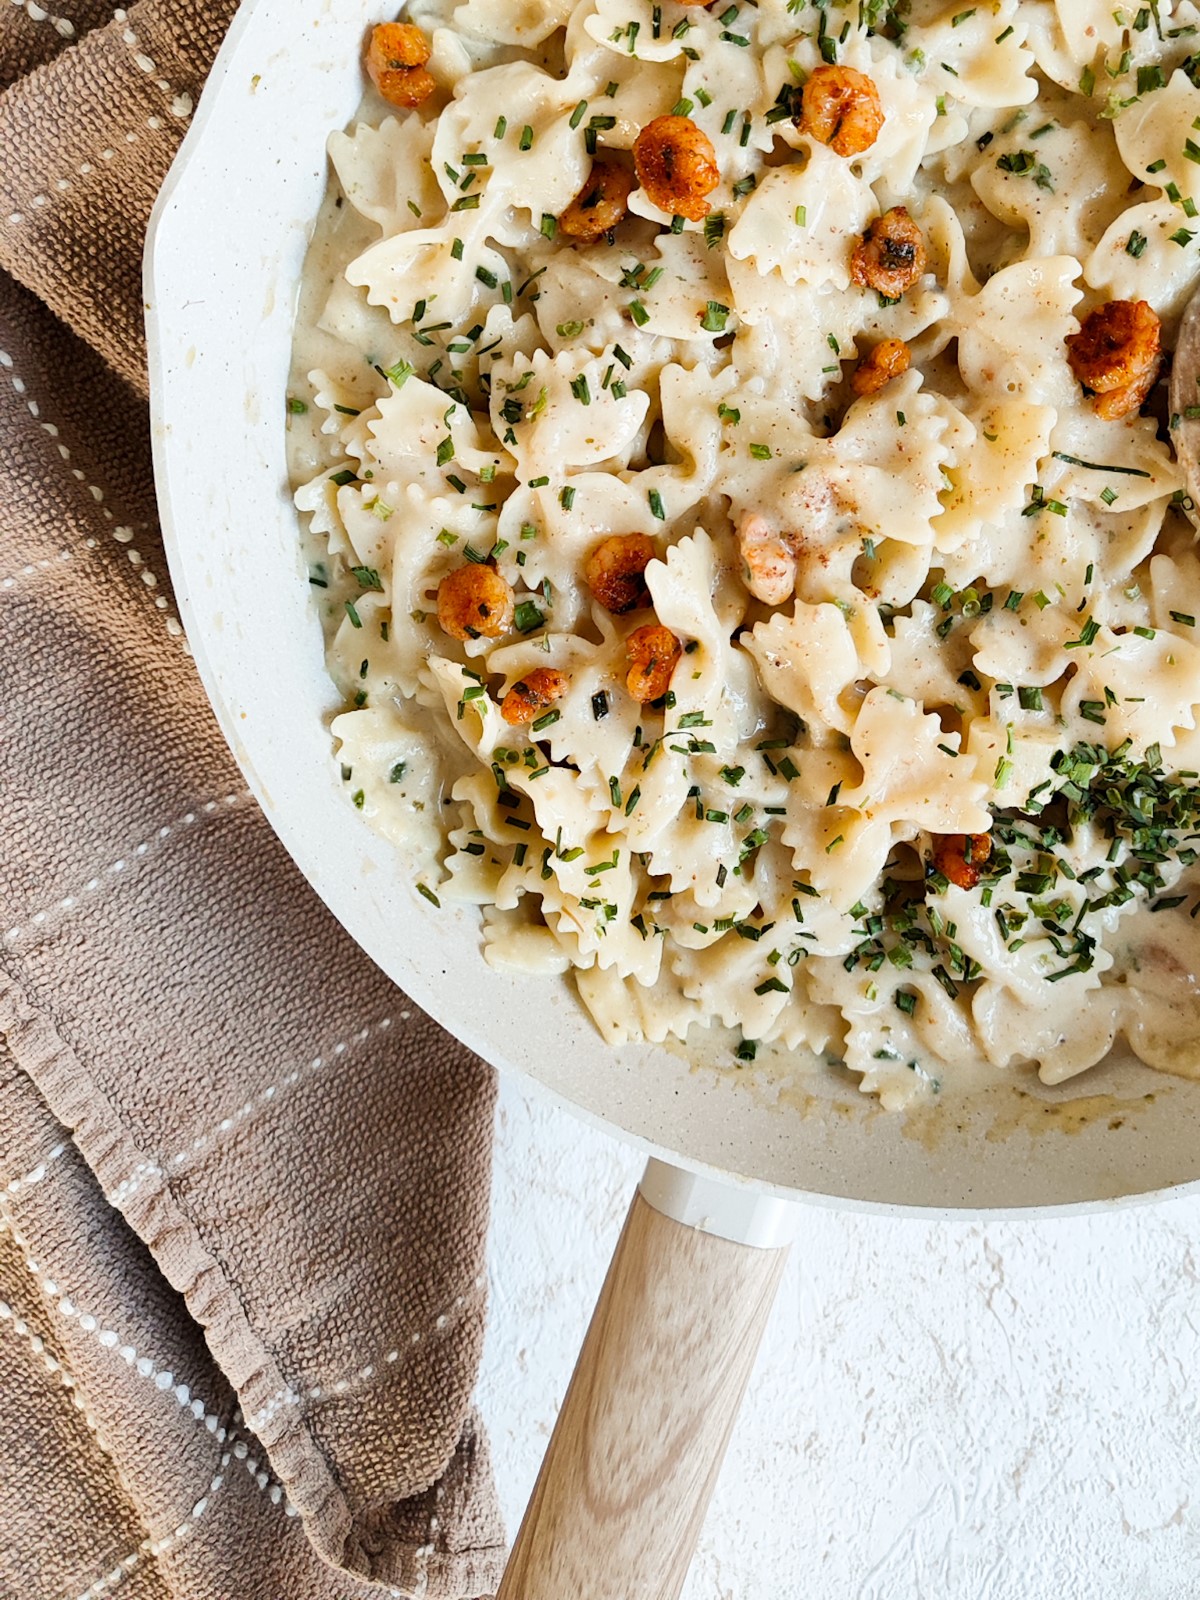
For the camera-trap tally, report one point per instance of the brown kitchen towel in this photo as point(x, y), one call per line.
point(243, 1180)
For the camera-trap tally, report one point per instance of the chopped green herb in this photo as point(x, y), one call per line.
point(527, 617)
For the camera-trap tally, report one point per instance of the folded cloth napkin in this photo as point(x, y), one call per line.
point(243, 1180)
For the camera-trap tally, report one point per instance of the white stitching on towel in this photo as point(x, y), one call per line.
point(345, 1385)
point(158, 1547)
point(27, 1181)
point(145, 1368)
point(181, 103)
point(32, 570)
point(61, 25)
point(84, 170)
point(164, 1382)
point(121, 532)
point(51, 1362)
point(71, 902)
point(128, 1187)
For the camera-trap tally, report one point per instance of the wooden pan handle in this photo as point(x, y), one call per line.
point(623, 1489)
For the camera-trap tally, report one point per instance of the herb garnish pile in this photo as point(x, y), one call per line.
point(1150, 818)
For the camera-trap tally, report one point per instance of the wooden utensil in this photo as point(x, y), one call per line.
point(639, 1441)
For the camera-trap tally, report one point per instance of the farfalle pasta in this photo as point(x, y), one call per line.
point(881, 744)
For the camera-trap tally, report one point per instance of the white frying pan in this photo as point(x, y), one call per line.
point(639, 1439)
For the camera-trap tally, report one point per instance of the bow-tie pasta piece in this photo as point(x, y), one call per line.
point(785, 334)
point(624, 1011)
point(678, 291)
point(1083, 464)
point(1144, 689)
point(517, 22)
point(1068, 1031)
point(427, 270)
point(570, 419)
point(927, 670)
point(535, 174)
point(1154, 133)
point(908, 774)
point(394, 776)
point(419, 430)
point(386, 173)
point(990, 481)
point(626, 28)
point(909, 781)
point(1064, 186)
point(1145, 255)
point(1011, 335)
point(978, 56)
point(693, 598)
point(591, 722)
point(806, 662)
point(873, 453)
point(802, 221)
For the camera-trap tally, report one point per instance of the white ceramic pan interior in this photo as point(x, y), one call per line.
point(227, 243)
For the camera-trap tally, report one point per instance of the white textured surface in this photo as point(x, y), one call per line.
point(941, 1411)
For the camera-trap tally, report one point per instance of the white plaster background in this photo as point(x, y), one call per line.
point(947, 1411)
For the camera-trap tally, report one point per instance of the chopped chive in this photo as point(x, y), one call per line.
point(527, 617)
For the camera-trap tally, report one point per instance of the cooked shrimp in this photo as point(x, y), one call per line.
point(615, 571)
point(396, 58)
point(768, 561)
point(890, 256)
point(526, 699)
point(600, 204)
point(677, 166)
point(1116, 355)
point(474, 601)
point(653, 652)
point(961, 856)
point(883, 362)
point(840, 108)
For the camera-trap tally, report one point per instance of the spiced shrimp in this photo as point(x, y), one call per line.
point(768, 559)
